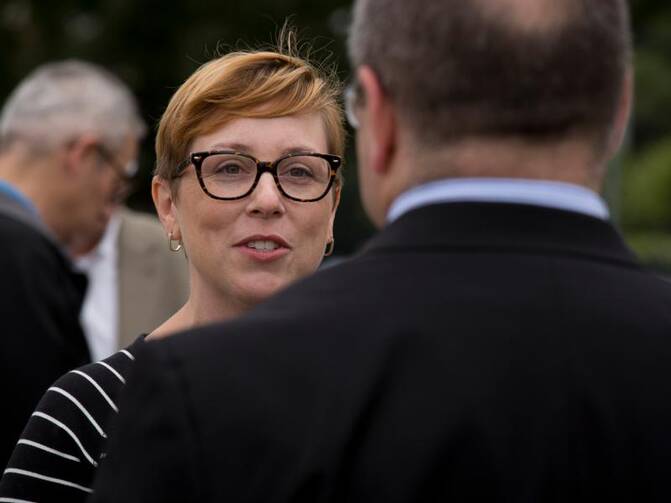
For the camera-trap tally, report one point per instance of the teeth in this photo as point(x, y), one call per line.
point(263, 245)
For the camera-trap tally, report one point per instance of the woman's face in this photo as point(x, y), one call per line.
point(243, 251)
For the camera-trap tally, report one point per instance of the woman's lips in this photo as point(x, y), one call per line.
point(263, 248)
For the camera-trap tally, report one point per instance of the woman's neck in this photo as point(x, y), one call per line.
point(202, 308)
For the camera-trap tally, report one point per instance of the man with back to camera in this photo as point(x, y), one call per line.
point(68, 135)
point(496, 341)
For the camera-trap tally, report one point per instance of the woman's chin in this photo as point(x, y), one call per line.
point(261, 288)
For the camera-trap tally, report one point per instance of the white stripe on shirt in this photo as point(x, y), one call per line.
point(81, 408)
point(111, 369)
point(48, 479)
point(127, 353)
point(37, 445)
point(69, 432)
point(97, 386)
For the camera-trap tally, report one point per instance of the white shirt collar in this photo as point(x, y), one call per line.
point(549, 194)
point(100, 312)
point(106, 247)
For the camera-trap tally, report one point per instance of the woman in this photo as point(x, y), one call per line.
point(247, 185)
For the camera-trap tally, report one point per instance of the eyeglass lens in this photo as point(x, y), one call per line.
point(232, 175)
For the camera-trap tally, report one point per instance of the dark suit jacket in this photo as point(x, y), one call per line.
point(472, 352)
point(40, 300)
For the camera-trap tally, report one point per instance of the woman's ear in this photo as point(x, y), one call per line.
point(337, 190)
point(162, 194)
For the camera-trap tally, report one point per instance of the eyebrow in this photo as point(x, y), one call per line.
point(243, 148)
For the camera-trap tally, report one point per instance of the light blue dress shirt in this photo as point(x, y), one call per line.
point(18, 196)
point(558, 195)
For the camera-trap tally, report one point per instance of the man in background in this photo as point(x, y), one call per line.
point(68, 136)
point(135, 282)
point(496, 341)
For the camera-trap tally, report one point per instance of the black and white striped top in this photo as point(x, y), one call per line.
point(59, 450)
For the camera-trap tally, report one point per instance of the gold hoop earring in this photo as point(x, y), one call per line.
point(170, 245)
point(329, 248)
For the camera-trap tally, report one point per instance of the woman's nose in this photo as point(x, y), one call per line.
point(266, 200)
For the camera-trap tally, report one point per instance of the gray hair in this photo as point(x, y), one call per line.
point(60, 101)
point(458, 68)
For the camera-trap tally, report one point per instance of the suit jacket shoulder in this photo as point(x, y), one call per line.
point(472, 352)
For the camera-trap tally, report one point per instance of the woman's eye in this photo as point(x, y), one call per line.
point(229, 169)
point(298, 172)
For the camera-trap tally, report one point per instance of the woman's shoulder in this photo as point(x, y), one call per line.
point(85, 398)
point(109, 374)
point(65, 437)
point(82, 401)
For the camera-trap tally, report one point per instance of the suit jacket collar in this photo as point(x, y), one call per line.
point(502, 227)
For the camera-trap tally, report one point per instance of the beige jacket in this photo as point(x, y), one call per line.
point(153, 281)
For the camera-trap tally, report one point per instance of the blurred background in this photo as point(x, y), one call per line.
point(154, 45)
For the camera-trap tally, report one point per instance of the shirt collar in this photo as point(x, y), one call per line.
point(549, 194)
point(15, 194)
point(106, 248)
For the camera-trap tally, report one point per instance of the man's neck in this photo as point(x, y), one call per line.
point(569, 161)
point(572, 161)
point(30, 177)
point(21, 181)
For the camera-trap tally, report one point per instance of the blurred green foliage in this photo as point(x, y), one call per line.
point(645, 185)
point(154, 45)
point(646, 188)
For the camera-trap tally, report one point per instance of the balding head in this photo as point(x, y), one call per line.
point(530, 16)
point(535, 69)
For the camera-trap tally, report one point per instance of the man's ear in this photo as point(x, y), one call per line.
point(79, 153)
point(336, 201)
point(622, 114)
point(163, 197)
point(381, 122)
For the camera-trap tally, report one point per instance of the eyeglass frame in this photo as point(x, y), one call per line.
point(197, 158)
point(125, 173)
